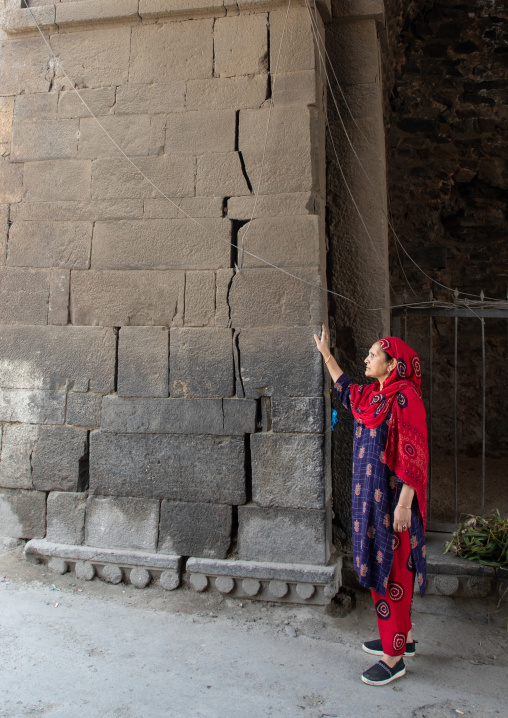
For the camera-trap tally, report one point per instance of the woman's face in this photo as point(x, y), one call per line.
point(376, 365)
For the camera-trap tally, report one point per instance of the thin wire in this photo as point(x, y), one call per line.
point(244, 234)
point(315, 285)
point(380, 202)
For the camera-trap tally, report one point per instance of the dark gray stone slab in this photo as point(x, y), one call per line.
point(303, 414)
point(143, 361)
point(66, 517)
point(162, 416)
point(239, 416)
point(117, 522)
point(84, 409)
point(195, 529)
point(57, 458)
point(288, 470)
point(282, 535)
point(279, 361)
point(53, 357)
point(177, 467)
point(22, 513)
point(201, 362)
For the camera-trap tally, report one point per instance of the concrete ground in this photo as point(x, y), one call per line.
point(72, 649)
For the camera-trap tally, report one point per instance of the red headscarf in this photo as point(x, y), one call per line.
point(406, 452)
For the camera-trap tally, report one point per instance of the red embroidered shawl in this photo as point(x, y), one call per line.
point(406, 452)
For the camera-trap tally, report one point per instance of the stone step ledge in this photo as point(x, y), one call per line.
point(286, 583)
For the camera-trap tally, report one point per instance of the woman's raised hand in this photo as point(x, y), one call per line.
point(323, 342)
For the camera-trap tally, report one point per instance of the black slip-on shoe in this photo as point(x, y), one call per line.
point(380, 674)
point(376, 648)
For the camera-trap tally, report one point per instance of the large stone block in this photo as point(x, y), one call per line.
point(353, 67)
point(11, 182)
point(36, 107)
point(135, 134)
point(221, 417)
point(201, 362)
point(278, 300)
point(79, 358)
point(296, 49)
point(100, 101)
point(288, 470)
point(136, 298)
point(94, 59)
point(113, 522)
point(77, 211)
point(15, 465)
point(272, 205)
point(44, 140)
point(153, 98)
point(284, 241)
point(304, 414)
point(28, 63)
point(296, 88)
point(32, 407)
point(94, 10)
point(42, 457)
point(178, 467)
point(199, 299)
point(234, 53)
point(280, 362)
point(117, 179)
point(84, 409)
point(143, 359)
point(198, 132)
point(163, 416)
point(227, 93)
point(24, 295)
point(178, 51)
point(162, 244)
point(66, 517)
point(193, 529)
point(285, 535)
point(58, 457)
point(284, 170)
point(221, 175)
point(289, 127)
point(50, 244)
point(57, 180)
point(23, 513)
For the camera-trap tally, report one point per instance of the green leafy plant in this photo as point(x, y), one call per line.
point(483, 539)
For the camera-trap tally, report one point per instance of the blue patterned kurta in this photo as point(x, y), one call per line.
point(375, 493)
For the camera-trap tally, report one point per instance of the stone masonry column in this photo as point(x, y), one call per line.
point(156, 403)
point(357, 236)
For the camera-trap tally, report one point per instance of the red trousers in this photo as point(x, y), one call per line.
point(394, 608)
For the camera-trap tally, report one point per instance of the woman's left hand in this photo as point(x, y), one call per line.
point(401, 519)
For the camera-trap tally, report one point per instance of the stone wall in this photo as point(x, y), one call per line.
point(156, 405)
point(445, 65)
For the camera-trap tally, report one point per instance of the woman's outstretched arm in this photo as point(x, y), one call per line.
point(323, 347)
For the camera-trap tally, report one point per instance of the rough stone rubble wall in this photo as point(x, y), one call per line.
point(151, 399)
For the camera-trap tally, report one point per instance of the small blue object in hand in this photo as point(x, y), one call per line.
point(335, 418)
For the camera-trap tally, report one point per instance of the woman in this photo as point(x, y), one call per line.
point(389, 492)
